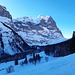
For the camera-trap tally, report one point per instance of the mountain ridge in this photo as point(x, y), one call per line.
point(40, 31)
point(42, 27)
point(4, 12)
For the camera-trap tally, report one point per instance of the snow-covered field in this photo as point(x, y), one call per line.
point(55, 66)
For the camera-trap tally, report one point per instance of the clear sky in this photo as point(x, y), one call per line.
point(62, 11)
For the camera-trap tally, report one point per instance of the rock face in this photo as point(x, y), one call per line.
point(37, 31)
point(10, 41)
point(4, 12)
point(32, 34)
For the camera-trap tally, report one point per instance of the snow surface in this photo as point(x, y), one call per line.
point(27, 19)
point(55, 66)
point(6, 35)
point(33, 38)
point(31, 19)
point(35, 34)
point(43, 17)
point(4, 19)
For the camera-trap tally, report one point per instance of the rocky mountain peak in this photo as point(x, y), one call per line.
point(43, 17)
point(4, 12)
point(37, 31)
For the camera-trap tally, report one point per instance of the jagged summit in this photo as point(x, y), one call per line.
point(32, 31)
point(32, 19)
point(4, 12)
point(37, 31)
point(10, 41)
point(43, 17)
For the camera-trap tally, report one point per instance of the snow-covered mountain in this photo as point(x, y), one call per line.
point(17, 35)
point(23, 34)
point(37, 31)
point(10, 41)
point(4, 12)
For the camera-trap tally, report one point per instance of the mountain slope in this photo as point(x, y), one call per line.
point(4, 12)
point(10, 41)
point(55, 66)
point(17, 34)
point(37, 31)
point(15, 39)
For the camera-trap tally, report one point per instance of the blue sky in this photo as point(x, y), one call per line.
point(62, 11)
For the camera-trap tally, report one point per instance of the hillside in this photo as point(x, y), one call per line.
point(17, 35)
point(59, 66)
point(27, 34)
point(34, 46)
point(10, 41)
point(37, 31)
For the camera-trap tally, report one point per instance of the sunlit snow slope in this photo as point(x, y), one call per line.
point(10, 42)
point(55, 66)
point(37, 31)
